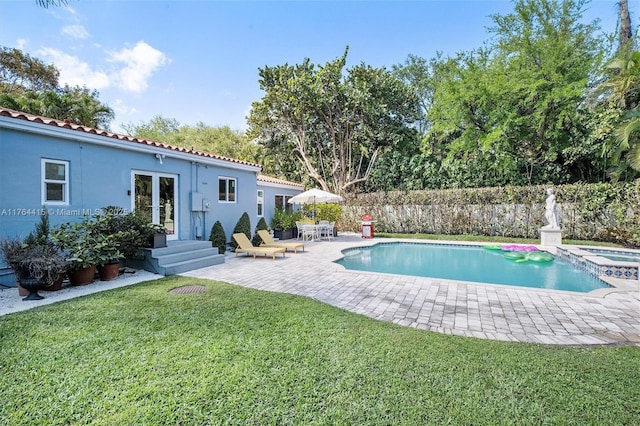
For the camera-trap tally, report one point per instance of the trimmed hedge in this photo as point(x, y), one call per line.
point(602, 211)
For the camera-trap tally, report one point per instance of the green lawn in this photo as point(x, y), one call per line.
point(231, 355)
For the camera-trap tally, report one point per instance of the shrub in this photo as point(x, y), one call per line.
point(132, 229)
point(327, 211)
point(244, 226)
point(284, 220)
point(218, 238)
point(262, 225)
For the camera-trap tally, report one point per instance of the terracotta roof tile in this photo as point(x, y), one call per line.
point(65, 124)
point(271, 179)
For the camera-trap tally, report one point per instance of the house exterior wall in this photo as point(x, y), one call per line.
point(100, 174)
point(227, 213)
point(271, 190)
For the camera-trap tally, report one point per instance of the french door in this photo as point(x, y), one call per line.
point(155, 195)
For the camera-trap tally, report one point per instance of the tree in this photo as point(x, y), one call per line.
point(335, 122)
point(79, 105)
point(515, 104)
point(218, 238)
point(20, 72)
point(29, 85)
point(262, 225)
point(47, 3)
point(550, 57)
point(617, 99)
point(625, 35)
point(242, 226)
point(158, 129)
point(417, 74)
point(217, 140)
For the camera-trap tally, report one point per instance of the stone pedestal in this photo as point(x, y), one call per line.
point(550, 237)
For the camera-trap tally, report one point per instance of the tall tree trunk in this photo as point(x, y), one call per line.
point(625, 25)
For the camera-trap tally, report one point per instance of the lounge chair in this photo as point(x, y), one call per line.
point(267, 241)
point(245, 246)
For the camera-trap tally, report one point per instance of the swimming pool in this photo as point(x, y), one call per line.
point(618, 256)
point(467, 263)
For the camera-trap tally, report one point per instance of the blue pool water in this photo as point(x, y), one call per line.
point(467, 263)
point(615, 255)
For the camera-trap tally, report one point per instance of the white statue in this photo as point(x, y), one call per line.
point(551, 213)
point(168, 222)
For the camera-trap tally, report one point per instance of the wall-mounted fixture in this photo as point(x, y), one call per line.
point(160, 157)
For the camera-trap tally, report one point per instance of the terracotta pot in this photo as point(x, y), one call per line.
point(109, 271)
point(57, 285)
point(22, 291)
point(82, 276)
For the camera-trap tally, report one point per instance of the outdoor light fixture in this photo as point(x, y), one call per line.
point(160, 157)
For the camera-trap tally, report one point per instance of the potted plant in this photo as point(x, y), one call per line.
point(36, 266)
point(132, 230)
point(77, 240)
point(119, 237)
point(156, 236)
point(284, 224)
point(107, 255)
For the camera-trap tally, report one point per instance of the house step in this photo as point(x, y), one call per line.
point(165, 259)
point(181, 256)
point(180, 246)
point(190, 265)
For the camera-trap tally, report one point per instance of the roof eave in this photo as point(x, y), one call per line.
point(113, 142)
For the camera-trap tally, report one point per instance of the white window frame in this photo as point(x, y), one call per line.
point(260, 206)
point(45, 181)
point(285, 200)
point(235, 186)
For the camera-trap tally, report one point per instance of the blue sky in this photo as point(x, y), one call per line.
point(198, 60)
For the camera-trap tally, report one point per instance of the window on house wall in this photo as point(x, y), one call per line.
point(227, 190)
point(55, 181)
point(260, 203)
point(282, 202)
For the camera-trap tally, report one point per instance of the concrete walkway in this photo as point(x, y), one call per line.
point(465, 309)
point(11, 301)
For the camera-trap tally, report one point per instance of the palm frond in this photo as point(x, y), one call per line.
point(47, 3)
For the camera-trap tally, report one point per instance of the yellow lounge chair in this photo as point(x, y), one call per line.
point(267, 241)
point(245, 246)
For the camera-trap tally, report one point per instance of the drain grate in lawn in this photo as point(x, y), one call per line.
point(188, 289)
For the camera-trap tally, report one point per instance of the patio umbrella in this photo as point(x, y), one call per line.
point(314, 196)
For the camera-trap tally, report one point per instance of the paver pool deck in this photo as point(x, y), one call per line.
point(484, 311)
point(499, 312)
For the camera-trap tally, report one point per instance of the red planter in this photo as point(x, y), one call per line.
point(82, 276)
point(109, 271)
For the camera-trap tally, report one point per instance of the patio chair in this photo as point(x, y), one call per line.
point(245, 246)
point(309, 232)
point(299, 226)
point(325, 229)
point(267, 241)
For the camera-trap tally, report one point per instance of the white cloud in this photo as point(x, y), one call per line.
point(121, 108)
point(75, 31)
point(73, 71)
point(131, 68)
point(140, 63)
point(21, 43)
